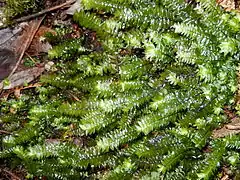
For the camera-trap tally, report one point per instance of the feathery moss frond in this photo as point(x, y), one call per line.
point(142, 106)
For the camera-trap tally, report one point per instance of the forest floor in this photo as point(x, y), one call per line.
point(24, 38)
point(31, 60)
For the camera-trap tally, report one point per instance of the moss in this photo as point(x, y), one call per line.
point(144, 105)
point(18, 8)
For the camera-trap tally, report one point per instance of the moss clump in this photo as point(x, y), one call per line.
point(17, 8)
point(142, 106)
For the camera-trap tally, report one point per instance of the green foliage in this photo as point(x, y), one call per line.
point(15, 8)
point(145, 105)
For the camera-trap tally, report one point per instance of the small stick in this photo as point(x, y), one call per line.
point(4, 132)
point(25, 18)
point(31, 86)
point(44, 11)
point(74, 97)
point(30, 57)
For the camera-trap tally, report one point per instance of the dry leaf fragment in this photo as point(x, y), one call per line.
point(17, 93)
point(38, 44)
point(233, 127)
point(228, 129)
point(228, 5)
point(23, 77)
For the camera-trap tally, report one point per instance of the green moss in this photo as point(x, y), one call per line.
point(145, 104)
point(17, 8)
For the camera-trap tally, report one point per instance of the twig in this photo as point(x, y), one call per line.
point(11, 174)
point(10, 91)
point(31, 86)
point(30, 57)
point(233, 127)
point(26, 45)
point(44, 11)
point(74, 97)
point(25, 18)
point(4, 132)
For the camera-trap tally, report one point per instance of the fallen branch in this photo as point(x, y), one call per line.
point(25, 18)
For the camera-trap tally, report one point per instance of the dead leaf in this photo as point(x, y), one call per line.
point(23, 77)
point(49, 66)
point(226, 172)
point(228, 5)
point(228, 129)
point(77, 6)
point(235, 127)
point(38, 44)
point(25, 39)
point(7, 62)
point(8, 36)
point(17, 93)
point(52, 141)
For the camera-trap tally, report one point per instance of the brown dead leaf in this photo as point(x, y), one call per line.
point(23, 42)
point(228, 5)
point(52, 141)
point(23, 77)
point(38, 44)
point(23, 38)
point(226, 173)
point(225, 177)
point(229, 129)
point(17, 93)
